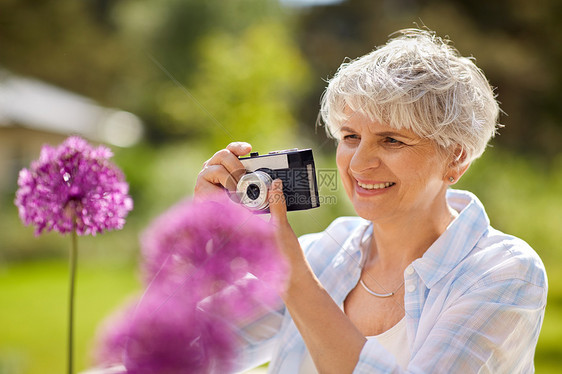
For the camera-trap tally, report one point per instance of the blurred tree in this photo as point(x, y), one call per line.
point(69, 43)
point(244, 89)
point(117, 51)
point(216, 70)
point(190, 68)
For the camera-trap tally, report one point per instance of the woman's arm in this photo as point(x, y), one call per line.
point(334, 349)
point(331, 338)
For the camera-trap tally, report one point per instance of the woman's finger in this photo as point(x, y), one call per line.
point(285, 237)
point(277, 206)
point(239, 148)
point(229, 160)
point(222, 171)
point(213, 177)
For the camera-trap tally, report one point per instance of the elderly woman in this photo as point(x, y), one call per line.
point(419, 282)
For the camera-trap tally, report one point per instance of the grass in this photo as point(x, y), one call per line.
point(34, 311)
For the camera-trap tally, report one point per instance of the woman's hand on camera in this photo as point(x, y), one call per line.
point(222, 171)
point(285, 237)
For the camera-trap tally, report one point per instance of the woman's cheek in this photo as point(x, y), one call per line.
point(343, 158)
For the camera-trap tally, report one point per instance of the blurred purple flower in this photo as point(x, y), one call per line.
point(167, 335)
point(208, 264)
point(73, 182)
point(215, 242)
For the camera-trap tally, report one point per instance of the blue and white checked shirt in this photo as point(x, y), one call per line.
point(474, 302)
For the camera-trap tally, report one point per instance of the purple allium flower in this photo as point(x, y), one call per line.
point(73, 184)
point(210, 265)
point(167, 335)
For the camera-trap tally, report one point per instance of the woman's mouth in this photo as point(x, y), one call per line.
point(376, 186)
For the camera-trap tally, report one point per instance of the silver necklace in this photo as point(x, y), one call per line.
point(379, 294)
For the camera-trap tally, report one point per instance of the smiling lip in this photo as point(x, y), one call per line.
point(372, 188)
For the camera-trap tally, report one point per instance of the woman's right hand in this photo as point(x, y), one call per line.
point(222, 171)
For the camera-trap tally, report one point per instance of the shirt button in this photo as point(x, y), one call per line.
point(410, 270)
point(411, 288)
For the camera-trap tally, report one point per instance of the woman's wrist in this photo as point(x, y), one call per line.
point(300, 274)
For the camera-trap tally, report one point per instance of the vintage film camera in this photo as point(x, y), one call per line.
point(293, 166)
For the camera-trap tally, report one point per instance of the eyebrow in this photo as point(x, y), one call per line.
point(345, 128)
point(381, 134)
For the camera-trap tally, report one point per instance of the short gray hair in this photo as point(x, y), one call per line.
point(416, 81)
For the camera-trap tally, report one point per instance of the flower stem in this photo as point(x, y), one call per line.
point(73, 258)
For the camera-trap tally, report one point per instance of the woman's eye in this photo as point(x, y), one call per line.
point(390, 140)
point(350, 137)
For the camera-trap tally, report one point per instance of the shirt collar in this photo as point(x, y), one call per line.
point(457, 241)
point(355, 247)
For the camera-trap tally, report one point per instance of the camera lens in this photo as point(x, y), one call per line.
point(253, 191)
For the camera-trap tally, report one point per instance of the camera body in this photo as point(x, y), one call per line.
point(293, 166)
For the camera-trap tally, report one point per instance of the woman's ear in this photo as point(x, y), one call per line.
point(458, 165)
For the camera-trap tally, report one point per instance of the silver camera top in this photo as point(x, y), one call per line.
point(271, 160)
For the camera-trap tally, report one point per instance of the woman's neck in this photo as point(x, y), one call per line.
point(399, 241)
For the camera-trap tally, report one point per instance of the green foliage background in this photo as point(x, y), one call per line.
point(204, 73)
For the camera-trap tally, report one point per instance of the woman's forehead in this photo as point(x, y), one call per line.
point(357, 121)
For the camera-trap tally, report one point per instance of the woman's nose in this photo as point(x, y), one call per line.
point(364, 158)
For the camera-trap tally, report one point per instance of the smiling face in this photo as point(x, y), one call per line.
point(389, 174)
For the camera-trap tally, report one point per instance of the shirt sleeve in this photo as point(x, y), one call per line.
point(257, 340)
point(258, 334)
point(493, 327)
point(254, 330)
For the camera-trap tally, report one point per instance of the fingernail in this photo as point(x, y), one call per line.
point(278, 184)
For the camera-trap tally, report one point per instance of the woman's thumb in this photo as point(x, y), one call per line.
point(277, 206)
